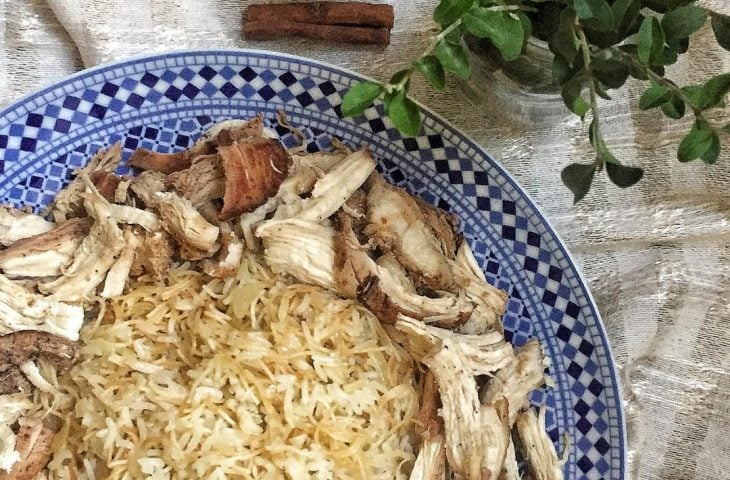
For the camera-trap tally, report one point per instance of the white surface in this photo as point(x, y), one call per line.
point(656, 255)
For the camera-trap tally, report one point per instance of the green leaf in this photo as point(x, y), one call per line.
point(404, 114)
point(654, 96)
point(526, 24)
point(667, 57)
point(674, 108)
point(571, 94)
point(453, 58)
point(360, 97)
point(611, 73)
point(449, 11)
point(679, 24)
point(561, 69)
point(663, 6)
point(650, 40)
point(595, 14)
point(431, 69)
point(399, 76)
point(622, 175)
point(505, 32)
point(625, 14)
point(714, 91)
point(578, 178)
point(696, 143)
point(721, 27)
point(564, 42)
point(711, 154)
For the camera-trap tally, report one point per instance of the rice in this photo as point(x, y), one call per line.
point(253, 378)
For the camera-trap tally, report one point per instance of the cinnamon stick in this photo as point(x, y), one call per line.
point(272, 30)
point(325, 13)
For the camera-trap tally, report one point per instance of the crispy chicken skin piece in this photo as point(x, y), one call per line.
point(45, 254)
point(254, 169)
point(166, 163)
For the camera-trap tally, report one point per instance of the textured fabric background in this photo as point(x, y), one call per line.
point(656, 256)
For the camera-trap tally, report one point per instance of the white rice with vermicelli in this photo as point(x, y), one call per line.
point(252, 378)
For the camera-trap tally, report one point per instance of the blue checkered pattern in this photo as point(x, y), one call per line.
point(164, 102)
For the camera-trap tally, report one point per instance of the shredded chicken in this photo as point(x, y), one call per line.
point(187, 226)
point(21, 346)
point(134, 216)
point(16, 225)
point(70, 202)
point(146, 186)
point(429, 423)
point(95, 256)
point(445, 227)
point(21, 309)
point(153, 255)
point(106, 183)
point(490, 302)
point(118, 274)
point(254, 169)
point(476, 435)
point(542, 460)
point(397, 224)
point(202, 181)
point(45, 254)
point(510, 470)
point(430, 463)
point(352, 265)
point(34, 447)
point(11, 408)
point(300, 248)
point(521, 375)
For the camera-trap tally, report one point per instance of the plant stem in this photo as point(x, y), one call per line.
point(586, 51)
point(442, 34)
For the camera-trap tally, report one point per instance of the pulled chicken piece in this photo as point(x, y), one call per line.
point(430, 463)
point(13, 380)
point(34, 446)
point(153, 255)
point(300, 248)
point(476, 435)
point(202, 181)
point(228, 257)
point(387, 298)
point(490, 302)
point(397, 223)
point(485, 354)
point(45, 254)
point(118, 274)
point(352, 265)
point(428, 422)
point(337, 186)
point(106, 183)
point(166, 163)
point(11, 408)
point(510, 470)
point(21, 309)
point(538, 449)
point(70, 202)
point(444, 225)
point(254, 169)
point(16, 225)
point(146, 185)
point(96, 255)
point(21, 346)
point(196, 236)
point(521, 375)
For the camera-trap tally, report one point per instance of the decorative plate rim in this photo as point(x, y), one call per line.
point(438, 118)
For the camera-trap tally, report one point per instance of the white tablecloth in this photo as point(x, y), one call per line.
point(656, 256)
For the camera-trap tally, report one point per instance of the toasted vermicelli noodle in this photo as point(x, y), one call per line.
point(253, 378)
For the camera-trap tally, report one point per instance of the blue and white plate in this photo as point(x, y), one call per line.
point(163, 102)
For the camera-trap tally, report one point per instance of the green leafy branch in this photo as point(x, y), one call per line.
point(597, 46)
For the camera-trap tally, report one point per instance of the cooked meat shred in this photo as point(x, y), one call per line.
point(118, 274)
point(352, 265)
point(153, 255)
point(45, 254)
point(146, 186)
point(538, 449)
point(106, 183)
point(70, 202)
point(398, 225)
point(521, 375)
point(13, 380)
point(96, 255)
point(228, 257)
point(430, 463)
point(429, 424)
point(159, 162)
point(202, 181)
point(18, 347)
point(16, 225)
point(510, 470)
point(444, 225)
point(21, 309)
point(254, 169)
point(34, 446)
point(195, 235)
